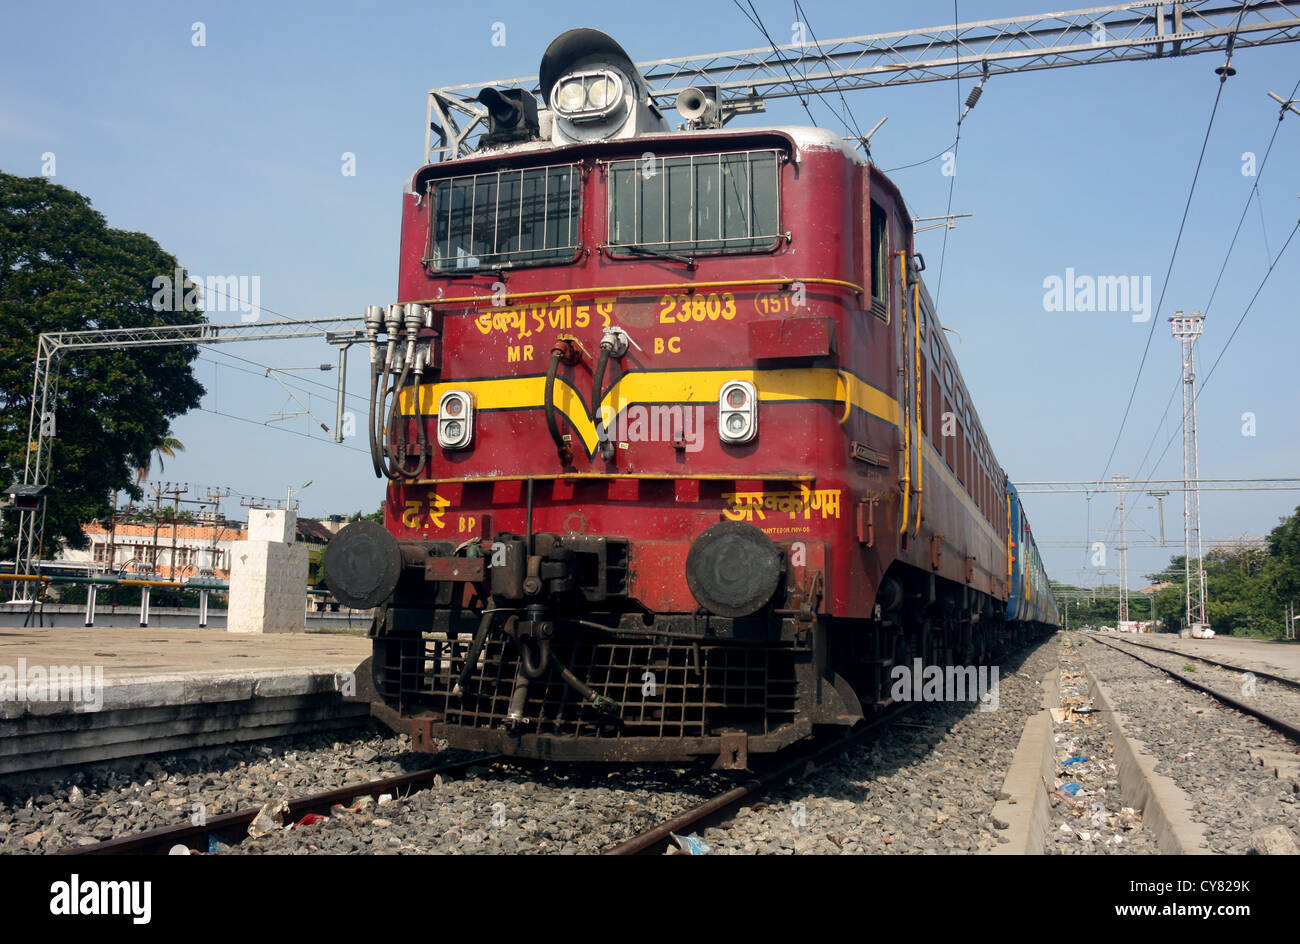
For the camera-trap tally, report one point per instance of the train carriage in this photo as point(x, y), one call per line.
point(681, 464)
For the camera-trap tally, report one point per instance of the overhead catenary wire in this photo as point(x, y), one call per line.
point(282, 429)
point(1178, 382)
point(1224, 72)
point(265, 367)
point(1254, 195)
point(284, 319)
point(794, 83)
point(928, 160)
point(1259, 288)
point(952, 177)
point(849, 119)
point(253, 373)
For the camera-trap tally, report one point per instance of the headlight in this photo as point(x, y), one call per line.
point(601, 92)
point(455, 419)
point(737, 412)
point(569, 96)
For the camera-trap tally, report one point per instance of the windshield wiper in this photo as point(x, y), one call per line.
point(658, 254)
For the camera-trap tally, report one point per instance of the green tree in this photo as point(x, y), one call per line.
point(1241, 589)
point(168, 447)
point(63, 269)
point(1282, 569)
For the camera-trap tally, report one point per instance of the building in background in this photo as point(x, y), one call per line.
point(170, 550)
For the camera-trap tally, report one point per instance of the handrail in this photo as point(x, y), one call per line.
point(907, 420)
point(196, 583)
point(500, 300)
point(920, 457)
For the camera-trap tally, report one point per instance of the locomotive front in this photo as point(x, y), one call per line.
point(592, 547)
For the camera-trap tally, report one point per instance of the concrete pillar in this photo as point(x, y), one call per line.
point(268, 576)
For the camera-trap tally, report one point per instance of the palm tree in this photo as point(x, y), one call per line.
point(168, 447)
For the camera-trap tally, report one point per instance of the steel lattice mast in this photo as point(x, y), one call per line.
point(1186, 329)
point(45, 383)
point(975, 50)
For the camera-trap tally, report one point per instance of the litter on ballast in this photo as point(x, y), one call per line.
point(691, 845)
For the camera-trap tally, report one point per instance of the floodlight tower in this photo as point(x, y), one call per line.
point(1186, 329)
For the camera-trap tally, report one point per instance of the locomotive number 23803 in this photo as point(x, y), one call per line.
point(700, 306)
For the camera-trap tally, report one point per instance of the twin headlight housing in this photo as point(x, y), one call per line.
point(455, 419)
point(737, 412)
point(593, 95)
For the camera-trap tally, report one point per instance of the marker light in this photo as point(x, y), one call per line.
point(455, 419)
point(737, 412)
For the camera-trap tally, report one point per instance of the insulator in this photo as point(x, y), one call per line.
point(974, 96)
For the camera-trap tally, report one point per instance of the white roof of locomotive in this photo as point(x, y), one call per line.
point(805, 139)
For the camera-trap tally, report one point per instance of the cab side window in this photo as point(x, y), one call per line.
point(879, 262)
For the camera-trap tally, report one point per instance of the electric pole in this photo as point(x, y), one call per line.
point(1120, 482)
point(1186, 329)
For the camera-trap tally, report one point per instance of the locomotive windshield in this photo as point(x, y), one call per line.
point(504, 218)
point(709, 203)
point(698, 204)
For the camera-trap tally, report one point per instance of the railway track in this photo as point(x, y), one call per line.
point(717, 809)
point(1280, 679)
point(232, 828)
point(1282, 725)
point(725, 798)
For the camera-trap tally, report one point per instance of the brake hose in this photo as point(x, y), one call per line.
point(396, 472)
point(421, 436)
point(476, 649)
point(606, 447)
point(588, 694)
point(565, 451)
point(374, 395)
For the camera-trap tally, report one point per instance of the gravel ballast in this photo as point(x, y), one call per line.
point(508, 809)
point(105, 801)
point(926, 786)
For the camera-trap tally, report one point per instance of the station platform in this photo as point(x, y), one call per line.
point(76, 696)
point(1266, 655)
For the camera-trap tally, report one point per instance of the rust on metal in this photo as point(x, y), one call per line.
point(734, 752)
point(463, 569)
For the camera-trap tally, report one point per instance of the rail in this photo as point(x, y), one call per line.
point(1280, 725)
point(232, 828)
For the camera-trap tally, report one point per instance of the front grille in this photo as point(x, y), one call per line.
point(698, 690)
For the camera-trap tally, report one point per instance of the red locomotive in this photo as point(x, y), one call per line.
point(681, 463)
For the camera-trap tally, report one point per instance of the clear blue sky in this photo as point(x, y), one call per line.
point(230, 154)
